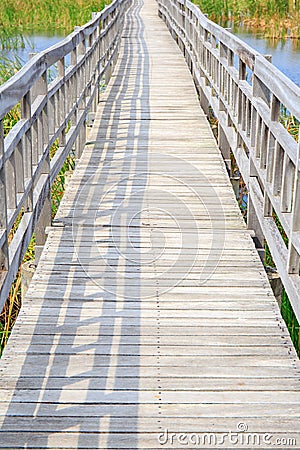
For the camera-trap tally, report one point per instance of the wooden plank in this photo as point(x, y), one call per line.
point(87, 329)
point(163, 350)
point(149, 397)
point(230, 410)
point(199, 383)
point(89, 362)
point(278, 425)
point(115, 441)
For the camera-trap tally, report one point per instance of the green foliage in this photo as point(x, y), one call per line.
point(291, 321)
point(290, 123)
point(277, 18)
point(242, 8)
point(215, 9)
point(59, 185)
point(18, 17)
point(10, 312)
point(8, 67)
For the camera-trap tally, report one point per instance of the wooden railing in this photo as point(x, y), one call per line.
point(247, 95)
point(51, 113)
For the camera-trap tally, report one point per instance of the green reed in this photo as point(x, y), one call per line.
point(19, 17)
point(275, 18)
point(291, 321)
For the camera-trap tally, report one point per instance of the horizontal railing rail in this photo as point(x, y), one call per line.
point(247, 95)
point(52, 112)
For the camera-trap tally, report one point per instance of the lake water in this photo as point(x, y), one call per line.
point(32, 44)
point(285, 53)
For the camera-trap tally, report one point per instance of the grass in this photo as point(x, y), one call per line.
point(291, 321)
point(275, 18)
point(290, 123)
point(10, 312)
point(19, 17)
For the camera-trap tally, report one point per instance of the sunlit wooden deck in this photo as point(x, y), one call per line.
point(150, 309)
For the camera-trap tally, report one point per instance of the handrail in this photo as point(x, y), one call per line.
point(247, 93)
point(51, 111)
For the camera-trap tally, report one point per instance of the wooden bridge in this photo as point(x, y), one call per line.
point(150, 322)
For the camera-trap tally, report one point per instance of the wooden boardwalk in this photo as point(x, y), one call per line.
point(150, 309)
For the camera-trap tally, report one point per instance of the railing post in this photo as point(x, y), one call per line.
point(73, 88)
point(260, 90)
point(253, 224)
point(26, 114)
point(62, 101)
point(4, 260)
point(224, 146)
point(108, 50)
point(294, 257)
point(81, 92)
point(41, 89)
point(98, 62)
point(203, 99)
point(95, 91)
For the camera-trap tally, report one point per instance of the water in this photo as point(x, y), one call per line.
point(32, 44)
point(285, 53)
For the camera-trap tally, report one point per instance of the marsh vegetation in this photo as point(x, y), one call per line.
point(276, 18)
point(20, 17)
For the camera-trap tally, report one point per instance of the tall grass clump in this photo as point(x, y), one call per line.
point(19, 17)
point(275, 18)
point(291, 321)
